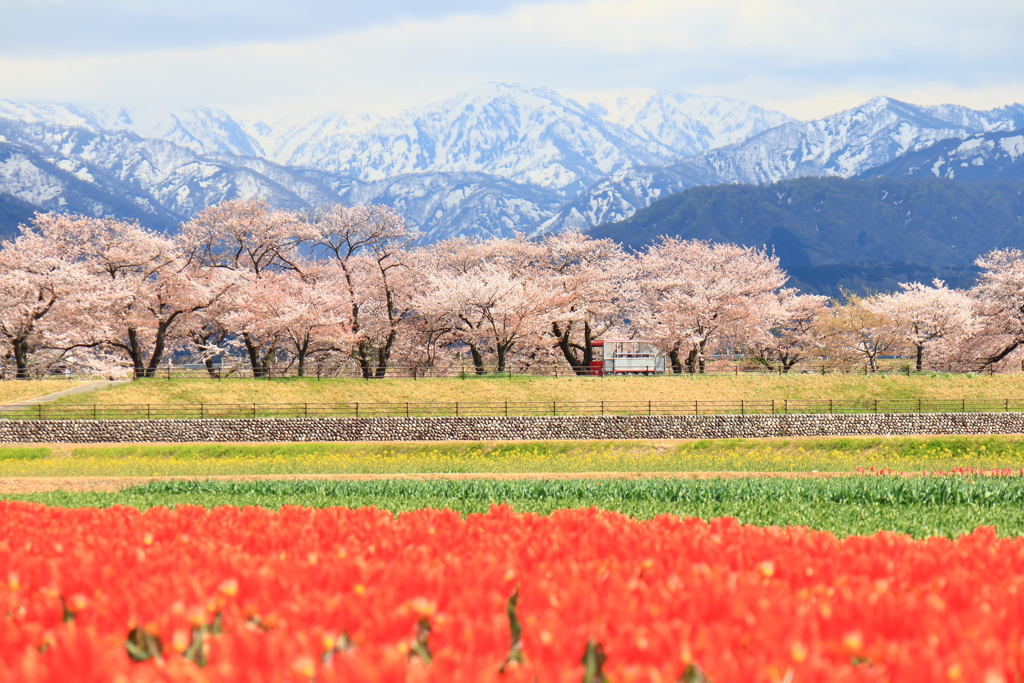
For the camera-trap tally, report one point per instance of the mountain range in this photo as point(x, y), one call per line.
point(490, 161)
point(856, 234)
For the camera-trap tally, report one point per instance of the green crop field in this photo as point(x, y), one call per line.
point(906, 454)
point(925, 506)
point(563, 389)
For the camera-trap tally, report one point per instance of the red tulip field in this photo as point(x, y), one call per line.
point(338, 594)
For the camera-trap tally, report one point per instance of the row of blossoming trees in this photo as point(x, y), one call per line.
point(346, 288)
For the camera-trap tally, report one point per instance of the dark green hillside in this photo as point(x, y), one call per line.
point(13, 212)
point(856, 233)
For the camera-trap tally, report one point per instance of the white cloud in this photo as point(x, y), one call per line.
point(804, 57)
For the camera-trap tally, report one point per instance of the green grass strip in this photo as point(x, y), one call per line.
point(920, 507)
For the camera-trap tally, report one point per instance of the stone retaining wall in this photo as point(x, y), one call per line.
point(506, 428)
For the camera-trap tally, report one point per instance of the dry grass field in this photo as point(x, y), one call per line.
point(564, 389)
point(17, 390)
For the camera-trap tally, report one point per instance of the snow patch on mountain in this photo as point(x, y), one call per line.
point(684, 124)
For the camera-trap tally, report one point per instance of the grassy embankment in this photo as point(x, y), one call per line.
point(851, 505)
point(563, 389)
point(11, 391)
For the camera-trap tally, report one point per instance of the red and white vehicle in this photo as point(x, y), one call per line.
point(626, 357)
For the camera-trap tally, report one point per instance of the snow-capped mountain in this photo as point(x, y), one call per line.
point(985, 156)
point(684, 125)
point(203, 130)
point(323, 138)
point(850, 142)
point(846, 144)
point(527, 135)
point(493, 160)
point(55, 168)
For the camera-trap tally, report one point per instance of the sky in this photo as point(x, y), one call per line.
point(807, 58)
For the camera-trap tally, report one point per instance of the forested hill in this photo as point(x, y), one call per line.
point(860, 234)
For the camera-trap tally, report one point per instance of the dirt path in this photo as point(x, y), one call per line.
point(9, 485)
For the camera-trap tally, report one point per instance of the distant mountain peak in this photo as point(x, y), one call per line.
point(493, 159)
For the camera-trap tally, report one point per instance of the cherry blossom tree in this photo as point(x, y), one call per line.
point(37, 286)
point(692, 291)
point(146, 282)
point(369, 244)
point(299, 315)
point(791, 336)
point(251, 241)
point(927, 317)
point(1000, 304)
point(591, 280)
point(858, 332)
point(489, 309)
point(245, 235)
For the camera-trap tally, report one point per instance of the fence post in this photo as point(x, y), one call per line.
point(305, 410)
point(1007, 407)
point(696, 410)
point(876, 406)
point(506, 408)
point(785, 406)
point(773, 406)
point(202, 410)
point(40, 407)
point(602, 408)
point(830, 406)
point(648, 408)
point(963, 405)
point(407, 409)
point(456, 409)
point(357, 410)
point(149, 411)
point(554, 406)
point(93, 411)
point(743, 407)
point(254, 411)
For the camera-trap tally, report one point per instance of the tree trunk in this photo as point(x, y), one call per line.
point(363, 358)
point(259, 363)
point(503, 350)
point(302, 350)
point(691, 360)
point(135, 353)
point(21, 355)
point(384, 355)
point(478, 359)
point(788, 362)
point(992, 360)
point(920, 357)
point(700, 356)
point(580, 365)
point(565, 345)
point(211, 369)
point(159, 345)
point(675, 361)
